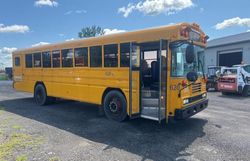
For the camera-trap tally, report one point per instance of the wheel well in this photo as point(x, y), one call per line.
point(107, 90)
point(41, 83)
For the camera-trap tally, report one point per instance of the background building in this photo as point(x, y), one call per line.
point(228, 51)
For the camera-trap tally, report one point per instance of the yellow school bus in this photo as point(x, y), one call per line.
point(154, 73)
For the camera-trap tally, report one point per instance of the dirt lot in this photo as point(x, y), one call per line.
point(71, 130)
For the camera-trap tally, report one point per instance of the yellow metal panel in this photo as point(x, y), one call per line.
point(88, 84)
point(135, 92)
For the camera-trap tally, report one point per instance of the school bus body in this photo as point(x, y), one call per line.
point(88, 84)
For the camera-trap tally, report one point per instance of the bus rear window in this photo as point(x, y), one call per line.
point(67, 58)
point(96, 56)
point(81, 57)
point(56, 59)
point(28, 60)
point(46, 59)
point(37, 60)
point(111, 55)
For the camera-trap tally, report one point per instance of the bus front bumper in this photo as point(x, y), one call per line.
point(191, 110)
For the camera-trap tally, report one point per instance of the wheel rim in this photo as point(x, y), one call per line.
point(115, 106)
point(39, 96)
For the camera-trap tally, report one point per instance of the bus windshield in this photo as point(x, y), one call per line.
point(180, 67)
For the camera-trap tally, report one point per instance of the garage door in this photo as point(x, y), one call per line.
point(230, 58)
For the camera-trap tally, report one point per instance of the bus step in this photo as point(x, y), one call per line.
point(150, 102)
point(150, 118)
point(151, 112)
point(149, 94)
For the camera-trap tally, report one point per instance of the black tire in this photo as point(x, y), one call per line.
point(246, 91)
point(216, 87)
point(207, 87)
point(225, 93)
point(40, 95)
point(115, 106)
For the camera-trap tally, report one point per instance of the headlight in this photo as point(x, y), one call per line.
point(204, 95)
point(185, 101)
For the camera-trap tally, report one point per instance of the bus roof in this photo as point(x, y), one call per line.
point(155, 33)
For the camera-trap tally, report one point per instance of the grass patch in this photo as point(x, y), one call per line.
point(22, 158)
point(1, 110)
point(54, 159)
point(4, 123)
point(17, 141)
point(3, 77)
point(17, 127)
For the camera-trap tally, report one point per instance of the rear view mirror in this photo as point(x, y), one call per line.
point(192, 76)
point(190, 54)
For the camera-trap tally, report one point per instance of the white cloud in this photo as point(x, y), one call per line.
point(70, 39)
point(40, 44)
point(127, 11)
point(248, 30)
point(80, 11)
point(112, 31)
point(6, 56)
point(76, 12)
point(237, 21)
point(14, 29)
point(50, 3)
point(61, 35)
point(155, 7)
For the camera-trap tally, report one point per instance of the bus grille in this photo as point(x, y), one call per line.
point(195, 98)
point(196, 88)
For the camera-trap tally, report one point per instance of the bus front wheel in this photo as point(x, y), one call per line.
point(40, 95)
point(115, 106)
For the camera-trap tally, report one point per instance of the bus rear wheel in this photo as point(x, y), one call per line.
point(115, 106)
point(40, 95)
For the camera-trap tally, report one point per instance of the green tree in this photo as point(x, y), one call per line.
point(91, 31)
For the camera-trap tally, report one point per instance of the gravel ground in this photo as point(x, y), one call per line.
point(71, 130)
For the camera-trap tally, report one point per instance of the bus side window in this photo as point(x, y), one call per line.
point(67, 58)
point(81, 57)
point(28, 60)
point(17, 61)
point(37, 60)
point(56, 59)
point(46, 59)
point(125, 52)
point(96, 56)
point(111, 55)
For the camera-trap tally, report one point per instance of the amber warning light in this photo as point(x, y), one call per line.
point(193, 35)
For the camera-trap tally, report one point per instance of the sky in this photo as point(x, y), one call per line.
point(27, 23)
